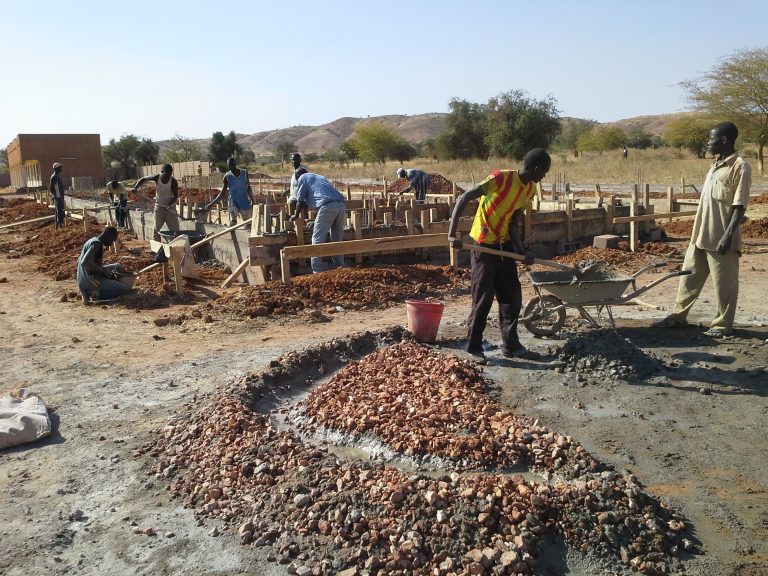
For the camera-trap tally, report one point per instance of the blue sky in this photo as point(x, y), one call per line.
point(157, 69)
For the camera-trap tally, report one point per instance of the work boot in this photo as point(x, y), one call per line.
point(478, 356)
point(521, 353)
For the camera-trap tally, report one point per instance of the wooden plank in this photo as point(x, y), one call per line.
point(646, 217)
point(285, 267)
point(409, 221)
point(670, 199)
point(41, 219)
point(207, 239)
point(177, 253)
point(235, 272)
point(367, 245)
point(633, 239)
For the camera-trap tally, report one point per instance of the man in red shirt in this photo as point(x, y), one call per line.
point(503, 197)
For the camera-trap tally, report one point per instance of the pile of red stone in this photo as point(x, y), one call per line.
point(438, 185)
point(621, 260)
point(679, 228)
point(325, 515)
point(351, 288)
point(755, 228)
point(20, 209)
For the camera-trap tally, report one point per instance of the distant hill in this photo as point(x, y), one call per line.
point(415, 129)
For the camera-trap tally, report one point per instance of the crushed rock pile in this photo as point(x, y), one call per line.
point(615, 260)
point(678, 228)
point(319, 514)
point(755, 228)
point(438, 185)
point(19, 209)
point(425, 405)
point(762, 199)
point(351, 288)
point(605, 355)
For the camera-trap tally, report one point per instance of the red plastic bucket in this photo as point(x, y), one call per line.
point(424, 319)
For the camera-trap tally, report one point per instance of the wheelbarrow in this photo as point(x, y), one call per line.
point(544, 314)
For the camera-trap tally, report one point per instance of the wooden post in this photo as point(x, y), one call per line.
point(682, 186)
point(86, 226)
point(409, 221)
point(554, 192)
point(285, 268)
point(646, 197)
point(267, 217)
point(177, 253)
point(387, 218)
point(433, 215)
point(453, 189)
point(236, 271)
point(299, 228)
point(670, 201)
point(357, 224)
point(598, 196)
point(568, 216)
point(386, 194)
point(634, 193)
point(424, 218)
point(349, 193)
point(633, 240)
point(454, 255)
point(610, 213)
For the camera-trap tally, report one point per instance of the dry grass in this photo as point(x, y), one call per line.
point(664, 166)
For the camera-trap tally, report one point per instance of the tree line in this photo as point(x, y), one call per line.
point(508, 125)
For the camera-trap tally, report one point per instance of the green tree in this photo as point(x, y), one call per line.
point(147, 152)
point(3, 160)
point(736, 88)
point(284, 149)
point(638, 137)
point(222, 147)
point(350, 150)
point(690, 133)
point(516, 123)
point(123, 151)
point(404, 151)
point(464, 134)
point(182, 149)
point(377, 141)
point(571, 129)
point(602, 138)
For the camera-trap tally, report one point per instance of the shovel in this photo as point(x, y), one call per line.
point(576, 272)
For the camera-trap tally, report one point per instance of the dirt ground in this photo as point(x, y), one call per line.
point(84, 500)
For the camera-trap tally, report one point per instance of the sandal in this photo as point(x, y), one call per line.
point(668, 322)
point(716, 333)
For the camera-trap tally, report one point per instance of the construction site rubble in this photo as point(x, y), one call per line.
point(438, 185)
point(351, 288)
point(322, 514)
point(604, 355)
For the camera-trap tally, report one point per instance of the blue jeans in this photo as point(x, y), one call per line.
point(59, 203)
point(330, 218)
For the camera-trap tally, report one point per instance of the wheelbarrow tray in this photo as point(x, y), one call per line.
point(594, 287)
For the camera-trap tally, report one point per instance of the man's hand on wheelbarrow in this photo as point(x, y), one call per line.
point(529, 258)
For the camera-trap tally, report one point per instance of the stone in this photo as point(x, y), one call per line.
point(606, 241)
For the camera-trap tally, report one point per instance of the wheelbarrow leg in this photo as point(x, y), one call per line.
point(587, 316)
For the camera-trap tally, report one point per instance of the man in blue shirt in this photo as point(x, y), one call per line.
point(317, 193)
point(418, 181)
point(240, 195)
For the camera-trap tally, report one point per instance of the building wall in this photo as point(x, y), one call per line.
point(80, 154)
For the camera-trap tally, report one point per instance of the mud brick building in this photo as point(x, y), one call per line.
point(31, 158)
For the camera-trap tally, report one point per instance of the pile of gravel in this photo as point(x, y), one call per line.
point(606, 355)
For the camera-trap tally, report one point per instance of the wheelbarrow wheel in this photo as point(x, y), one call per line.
point(543, 315)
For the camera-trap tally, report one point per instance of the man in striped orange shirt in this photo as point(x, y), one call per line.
point(503, 197)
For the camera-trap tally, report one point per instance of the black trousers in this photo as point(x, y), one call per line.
point(494, 276)
point(121, 211)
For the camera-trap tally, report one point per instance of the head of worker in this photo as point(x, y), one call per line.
point(108, 236)
point(722, 139)
point(113, 184)
point(167, 170)
point(536, 164)
point(401, 173)
point(296, 160)
point(57, 167)
point(231, 163)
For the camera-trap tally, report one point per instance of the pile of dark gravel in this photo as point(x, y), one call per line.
point(606, 355)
